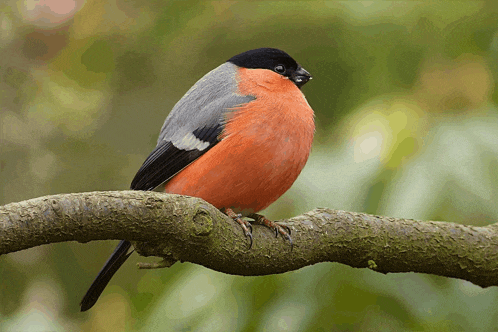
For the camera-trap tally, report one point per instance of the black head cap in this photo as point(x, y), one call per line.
point(275, 60)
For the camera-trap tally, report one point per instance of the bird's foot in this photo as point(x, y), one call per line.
point(246, 225)
point(284, 230)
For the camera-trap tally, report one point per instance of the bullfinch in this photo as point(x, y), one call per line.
point(237, 139)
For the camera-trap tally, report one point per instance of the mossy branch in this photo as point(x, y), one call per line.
point(181, 228)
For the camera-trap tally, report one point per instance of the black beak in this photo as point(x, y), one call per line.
point(300, 77)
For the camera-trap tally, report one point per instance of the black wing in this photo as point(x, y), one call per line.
point(166, 160)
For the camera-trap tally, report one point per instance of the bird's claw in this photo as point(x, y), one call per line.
point(284, 230)
point(288, 237)
point(246, 226)
point(249, 225)
point(250, 239)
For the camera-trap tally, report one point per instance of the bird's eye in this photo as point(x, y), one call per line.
point(280, 69)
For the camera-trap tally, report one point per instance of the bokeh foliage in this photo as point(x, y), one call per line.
point(407, 126)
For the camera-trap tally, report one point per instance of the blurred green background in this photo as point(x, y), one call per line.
point(407, 126)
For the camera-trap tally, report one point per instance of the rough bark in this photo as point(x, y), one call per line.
point(180, 228)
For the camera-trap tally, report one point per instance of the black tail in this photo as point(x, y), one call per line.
point(114, 262)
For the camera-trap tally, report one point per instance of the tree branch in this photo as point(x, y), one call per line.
point(181, 228)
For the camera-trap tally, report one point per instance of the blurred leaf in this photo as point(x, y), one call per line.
point(458, 157)
point(98, 58)
point(136, 69)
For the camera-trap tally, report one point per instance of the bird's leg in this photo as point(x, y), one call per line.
point(282, 229)
point(246, 225)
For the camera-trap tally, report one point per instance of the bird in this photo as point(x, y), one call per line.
point(238, 139)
